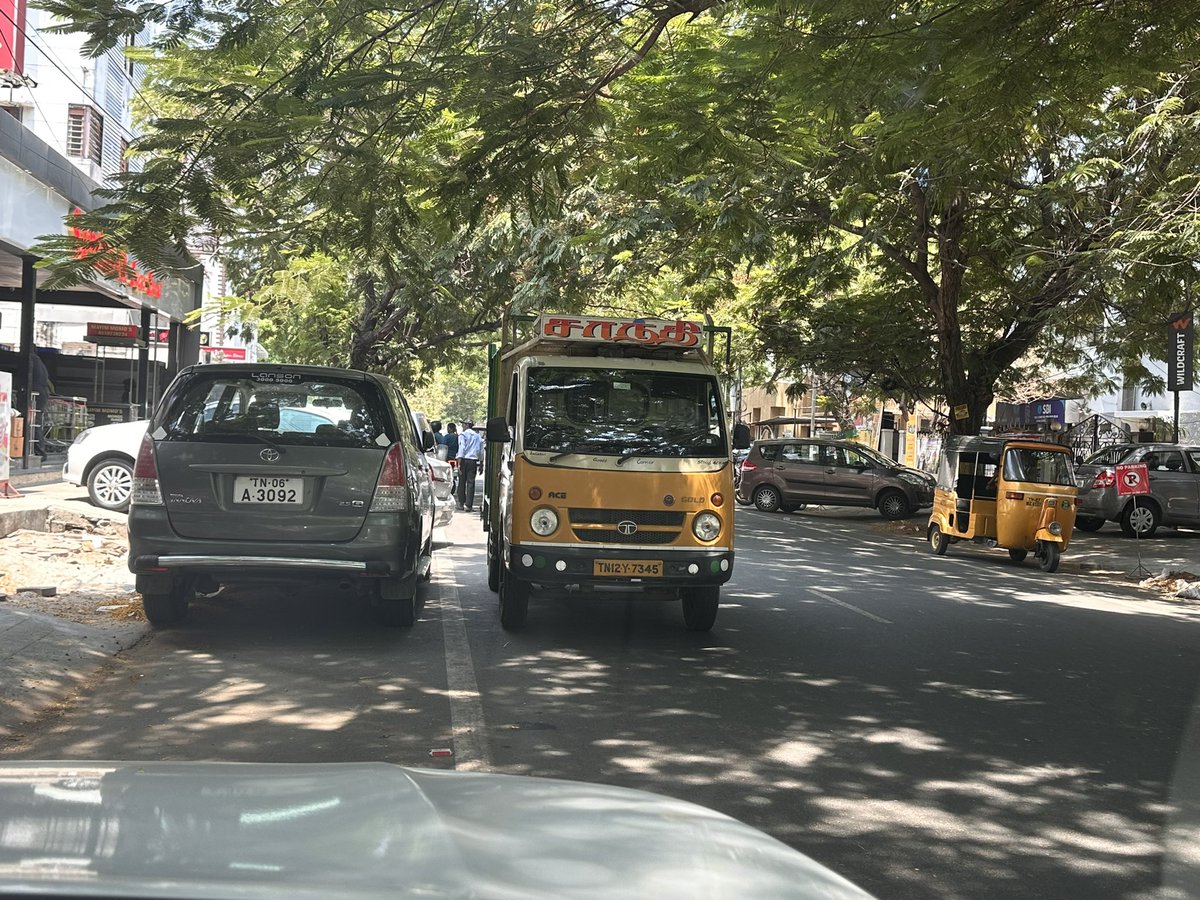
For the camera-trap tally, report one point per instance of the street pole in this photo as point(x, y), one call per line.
point(1176, 427)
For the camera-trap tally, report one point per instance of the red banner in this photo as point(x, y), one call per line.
point(12, 35)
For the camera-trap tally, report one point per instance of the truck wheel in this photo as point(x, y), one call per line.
point(767, 498)
point(110, 483)
point(493, 563)
point(1089, 523)
point(700, 607)
point(168, 607)
point(514, 600)
point(894, 505)
point(1140, 522)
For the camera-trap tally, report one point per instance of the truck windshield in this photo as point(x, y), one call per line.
point(623, 412)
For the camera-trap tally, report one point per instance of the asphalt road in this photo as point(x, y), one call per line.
point(928, 727)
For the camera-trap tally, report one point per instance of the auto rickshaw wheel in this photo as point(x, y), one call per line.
point(938, 542)
point(1049, 556)
point(1018, 555)
point(1089, 523)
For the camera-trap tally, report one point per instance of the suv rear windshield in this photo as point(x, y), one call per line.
point(302, 410)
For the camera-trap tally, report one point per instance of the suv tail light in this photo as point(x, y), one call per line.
point(748, 466)
point(1104, 478)
point(434, 476)
point(145, 477)
point(391, 491)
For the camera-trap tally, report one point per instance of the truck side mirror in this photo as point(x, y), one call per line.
point(741, 436)
point(497, 430)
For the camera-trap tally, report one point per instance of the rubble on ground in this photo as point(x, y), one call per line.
point(1176, 583)
point(75, 570)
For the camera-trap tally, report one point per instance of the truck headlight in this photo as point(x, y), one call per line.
point(544, 521)
point(706, 526)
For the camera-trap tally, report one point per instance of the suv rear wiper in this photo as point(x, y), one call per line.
point(248, 434)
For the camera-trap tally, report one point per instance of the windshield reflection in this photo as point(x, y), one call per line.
point(624, 413)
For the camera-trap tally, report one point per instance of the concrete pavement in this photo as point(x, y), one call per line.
point(44, 658)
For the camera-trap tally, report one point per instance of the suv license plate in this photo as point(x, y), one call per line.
point(628, 568)
point(271, 491)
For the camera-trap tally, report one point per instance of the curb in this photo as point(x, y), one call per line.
point(44, 658)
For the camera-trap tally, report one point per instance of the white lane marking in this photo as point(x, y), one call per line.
point(825, 593)
point(471, 752)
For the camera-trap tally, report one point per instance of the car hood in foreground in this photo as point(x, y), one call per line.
point(248, 830)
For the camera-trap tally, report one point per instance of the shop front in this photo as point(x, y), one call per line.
point(94, 351)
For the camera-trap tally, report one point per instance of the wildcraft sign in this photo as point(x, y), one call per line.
point(1180, 352)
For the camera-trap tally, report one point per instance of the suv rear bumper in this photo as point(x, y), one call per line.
point(539, 563)
point(384, 548)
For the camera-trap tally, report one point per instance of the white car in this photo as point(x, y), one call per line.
point(102, 458)
point(442, 477)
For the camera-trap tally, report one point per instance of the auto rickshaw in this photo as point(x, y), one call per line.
point(1017, 494)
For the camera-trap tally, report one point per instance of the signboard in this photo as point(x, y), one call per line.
point(112, 335)
point(962, 412)
point(163, 336)
point(649, 332)
point(1180, 351)
point(228, 353)
point(5, 418)
point(1049, 411)
point(1132, 478)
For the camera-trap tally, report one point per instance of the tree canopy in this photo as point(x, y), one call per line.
point(937, 198)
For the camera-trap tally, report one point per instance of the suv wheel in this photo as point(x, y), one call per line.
point(1140, 521)
point(1089, 523)
point(767, 498)
point(110, 483)
point(894, 505)
point(168, 607)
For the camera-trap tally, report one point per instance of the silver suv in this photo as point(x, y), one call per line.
point(1174, 497)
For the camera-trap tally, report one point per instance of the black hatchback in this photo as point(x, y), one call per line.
point(279, 472)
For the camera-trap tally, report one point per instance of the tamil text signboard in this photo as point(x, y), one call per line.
point(1180, 337)
point(1132, 478)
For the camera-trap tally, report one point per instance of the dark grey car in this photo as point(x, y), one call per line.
point(280, 472)
point(1174, 497)
point(788, 473)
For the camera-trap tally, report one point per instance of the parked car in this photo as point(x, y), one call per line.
point(441, 475)
point(786, 473)
point(102, 459)
point(231, 484)
point(1174, 497)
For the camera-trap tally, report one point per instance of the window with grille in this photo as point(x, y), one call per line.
point(85, 133)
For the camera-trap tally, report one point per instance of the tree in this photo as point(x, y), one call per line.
point(922, 194)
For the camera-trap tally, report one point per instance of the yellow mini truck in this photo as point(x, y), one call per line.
point(1017, 494)
point(609, 468)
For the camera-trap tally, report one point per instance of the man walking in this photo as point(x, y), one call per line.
point(470, 449)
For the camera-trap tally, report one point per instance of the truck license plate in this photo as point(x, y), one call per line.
point(274, 490)
point(628, 568)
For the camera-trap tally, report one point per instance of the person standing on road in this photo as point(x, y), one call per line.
point(470, 449)
point(451, 440)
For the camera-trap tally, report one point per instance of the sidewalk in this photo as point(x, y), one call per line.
point(44, 658)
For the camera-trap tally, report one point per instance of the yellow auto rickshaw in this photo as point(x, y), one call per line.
point(1018, 494)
